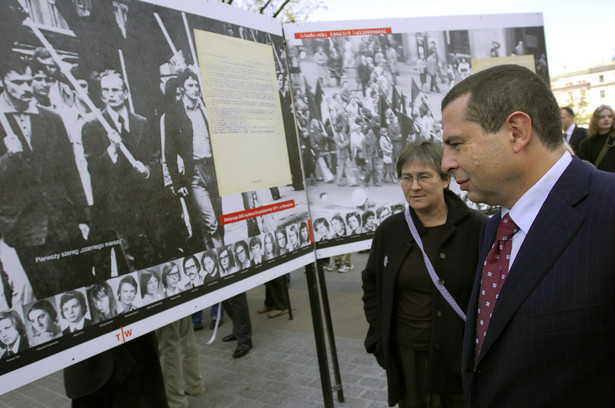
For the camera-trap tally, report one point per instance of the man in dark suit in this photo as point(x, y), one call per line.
point(43, 210)
point(122, 191)
point(73, 309)
point(572, 133)
point(548, 340)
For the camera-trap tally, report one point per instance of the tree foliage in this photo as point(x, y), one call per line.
point(288, 11)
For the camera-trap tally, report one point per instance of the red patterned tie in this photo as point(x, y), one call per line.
point(495, 271)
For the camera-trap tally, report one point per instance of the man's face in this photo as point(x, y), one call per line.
point(127, 293)
point(371, 220)
point(354, 223)
point(191, 269)
point(40, 319)
point(479, 161)
point(191, 89)
point(337, 226)
point(224, 259)
point(112, 92)
point(173, 278)
point(241, 254)
point(321, 228)
point(19, 86)
point(256, 249)
point(40, 84)
point(8, 332)
point(50, 65)
point(72, 310)
point(567, 119)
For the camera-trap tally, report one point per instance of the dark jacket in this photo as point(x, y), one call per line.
point(456, 264)
point(41, 192)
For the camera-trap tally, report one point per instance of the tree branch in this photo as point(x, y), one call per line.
point(264, 7)
point(281, 8)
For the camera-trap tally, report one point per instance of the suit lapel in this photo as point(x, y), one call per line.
point(553, 229)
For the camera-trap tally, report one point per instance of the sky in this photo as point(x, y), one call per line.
point(579, 33)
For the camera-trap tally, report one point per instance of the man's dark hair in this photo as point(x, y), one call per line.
point(569, 110)
point(14, 63)
point(184, 74)
point(194, 259)
point(497, 92)
point(366, 215)
point(73, 294)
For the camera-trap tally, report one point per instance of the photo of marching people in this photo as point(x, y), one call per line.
point(110, 200)
point(360, 99)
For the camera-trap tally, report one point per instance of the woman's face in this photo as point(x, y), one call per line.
point(292, 237)
point(605, 121)
point(354, 223)
point(8, 332)
point(208, 264)
point(102, 304)
point(224, 259)
point(426, 195)
point(268, 244)
point(337, 226)
point(281, 239)
point(127, 293)
point(152, 285)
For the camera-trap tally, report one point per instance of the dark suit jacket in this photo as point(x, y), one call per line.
point(118, 188)
point(550, 339)
point(40, 189)
point(578, 134)
point(454, 261)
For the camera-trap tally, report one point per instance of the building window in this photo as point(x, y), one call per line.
point(601, 78)
point(44, 12)
point(602, 93)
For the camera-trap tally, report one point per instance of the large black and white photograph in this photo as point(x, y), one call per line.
point(112, 206)
point(364, 89)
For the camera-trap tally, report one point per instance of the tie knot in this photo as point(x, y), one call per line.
point(507, 228)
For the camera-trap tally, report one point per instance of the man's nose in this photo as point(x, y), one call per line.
point(449, 163)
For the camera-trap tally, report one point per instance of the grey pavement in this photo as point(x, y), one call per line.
point(282, 368)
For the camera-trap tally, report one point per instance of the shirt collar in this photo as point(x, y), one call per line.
point(526, 209)
point(6, 106)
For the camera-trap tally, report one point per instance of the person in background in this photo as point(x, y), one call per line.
point(573, 134)
point(597, 148)
point(415, 335)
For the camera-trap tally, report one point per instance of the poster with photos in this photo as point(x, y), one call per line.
point(364, 89)
point(124, 206)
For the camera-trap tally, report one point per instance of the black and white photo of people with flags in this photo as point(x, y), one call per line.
point(360, 98)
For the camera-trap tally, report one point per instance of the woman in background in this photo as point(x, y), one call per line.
point(597, 147)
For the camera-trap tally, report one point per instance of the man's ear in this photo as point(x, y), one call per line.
point(520, 126)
